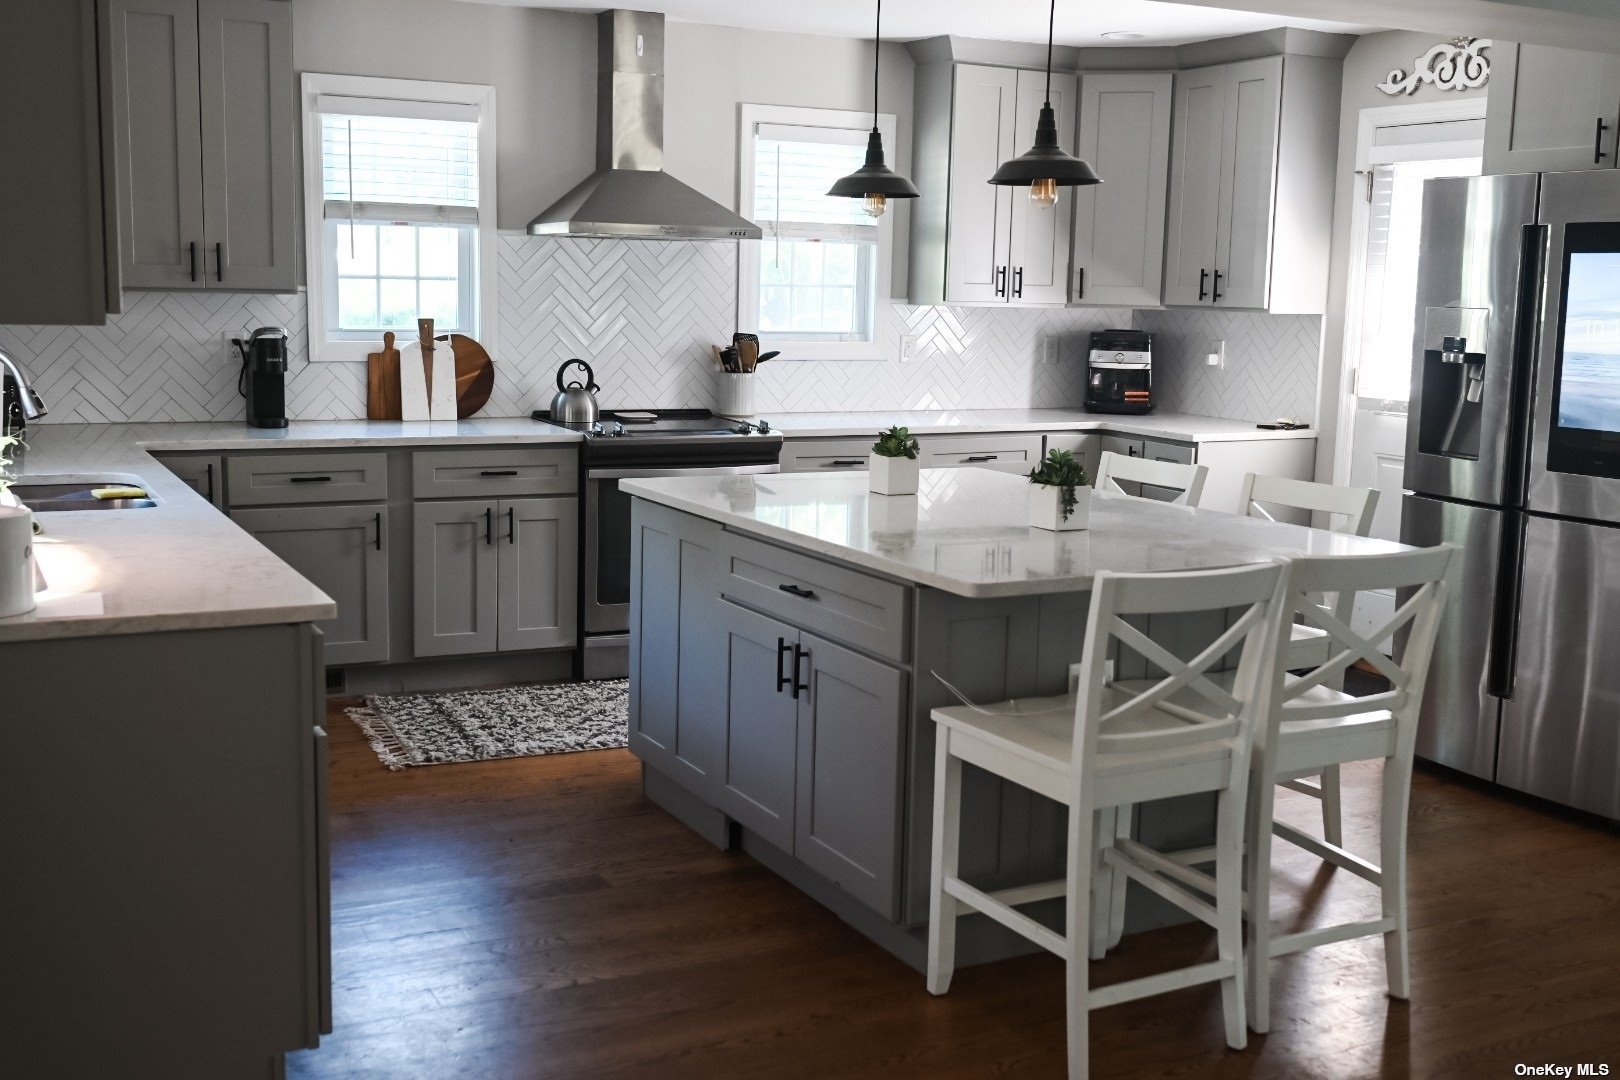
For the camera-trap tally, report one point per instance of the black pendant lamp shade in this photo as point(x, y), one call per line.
point(874, 181)
point(1045, 167)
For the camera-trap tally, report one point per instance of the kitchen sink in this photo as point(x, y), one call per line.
point(51, 498)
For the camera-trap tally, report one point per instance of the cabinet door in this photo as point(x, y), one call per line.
point(250, 178)
point(203, 474)
point(1248, 183)
point(539, 567)
point(455, 565)
point(1119, 224)
point(151, 51)
point(343, 550)
point(982, 112)
point(1038, 249)
point(761, 722)
point(1195, 186)
point(1551, 110)
point(851, 722)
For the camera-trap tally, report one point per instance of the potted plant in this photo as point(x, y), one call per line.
point(892, 464)
point(1061, 496)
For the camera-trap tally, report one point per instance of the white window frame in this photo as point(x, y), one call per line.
point(749, 257)
point(322, 347)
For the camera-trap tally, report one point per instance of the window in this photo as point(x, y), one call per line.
point(816, 285)
point(400, 208)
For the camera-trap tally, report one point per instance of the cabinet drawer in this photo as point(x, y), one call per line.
point(204, 475)
point(812, 455)
point(845, 605)
point(1009, 453)
point(440, 474)
point(272, 479)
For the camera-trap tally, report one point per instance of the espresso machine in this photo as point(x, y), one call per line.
point(263, 380)
point(1119, 372)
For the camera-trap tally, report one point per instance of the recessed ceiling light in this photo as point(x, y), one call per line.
point(1124, 35)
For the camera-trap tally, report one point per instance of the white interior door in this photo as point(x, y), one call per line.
point(1401, 148)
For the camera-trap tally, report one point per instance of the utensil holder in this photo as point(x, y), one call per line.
point(16, 561)
point(736, 394)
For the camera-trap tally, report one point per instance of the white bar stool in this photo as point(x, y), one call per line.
point(1187, 479)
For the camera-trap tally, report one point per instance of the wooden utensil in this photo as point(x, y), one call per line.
point(382, 381)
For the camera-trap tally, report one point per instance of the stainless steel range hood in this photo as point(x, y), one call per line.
point(630, 195)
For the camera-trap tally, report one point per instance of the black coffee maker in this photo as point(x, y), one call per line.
point(263, 380)
point(1119, 372)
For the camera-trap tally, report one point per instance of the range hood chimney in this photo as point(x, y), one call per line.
point(630, 195)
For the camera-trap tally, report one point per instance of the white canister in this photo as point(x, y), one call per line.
point(16, 560)
point(736, 394)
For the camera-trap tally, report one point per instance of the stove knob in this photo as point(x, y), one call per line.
point(744, 428)
point(764, 428)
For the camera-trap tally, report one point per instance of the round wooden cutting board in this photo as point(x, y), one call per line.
point(475, 375)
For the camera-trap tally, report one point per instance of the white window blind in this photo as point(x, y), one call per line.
point(399, 161)
point(794, 167)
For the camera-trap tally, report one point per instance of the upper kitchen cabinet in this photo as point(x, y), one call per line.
point(1119, 224)
point(55, 265)
point(1251, 185)
point(972, 242)
point(203, 136)
point(1551, 110)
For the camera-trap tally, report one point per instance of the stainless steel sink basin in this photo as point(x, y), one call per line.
point(50, 498)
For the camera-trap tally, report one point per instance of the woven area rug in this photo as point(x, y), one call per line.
point(479, 725)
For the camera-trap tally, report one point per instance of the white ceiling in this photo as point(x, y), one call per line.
point(1078, 23)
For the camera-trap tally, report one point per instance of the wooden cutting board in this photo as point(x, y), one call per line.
point(382, 382)
point(475, 375)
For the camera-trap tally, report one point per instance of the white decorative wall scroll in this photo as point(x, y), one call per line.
point(1460, 64)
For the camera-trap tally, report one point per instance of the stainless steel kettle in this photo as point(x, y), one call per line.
point(575, 403)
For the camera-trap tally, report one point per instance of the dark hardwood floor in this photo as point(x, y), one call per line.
point(539, 918)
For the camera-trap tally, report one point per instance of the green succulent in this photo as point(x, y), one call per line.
point(1061, 469)
point(6, 443)
point(896, 442)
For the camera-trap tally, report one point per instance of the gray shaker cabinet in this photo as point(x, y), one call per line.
point(203, 142)
point(539, 565)
point(342, 549)
point(1551, 110)
point(761, 714)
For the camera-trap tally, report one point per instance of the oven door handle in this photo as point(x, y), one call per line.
point(652, 473)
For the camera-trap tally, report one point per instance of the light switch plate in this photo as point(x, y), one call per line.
point(1215, 353)
point(908, 348)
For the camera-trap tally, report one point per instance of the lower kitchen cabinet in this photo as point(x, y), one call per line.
point(343, 550)
point(202, 473)
point(761, 711)
point(495, 575)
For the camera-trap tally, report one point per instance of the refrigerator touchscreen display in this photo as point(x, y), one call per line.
point(1586, 409)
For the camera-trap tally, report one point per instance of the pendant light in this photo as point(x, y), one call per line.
point(1044, 167)
point(874, 181)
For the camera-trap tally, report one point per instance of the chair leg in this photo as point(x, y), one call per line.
point(1262, 799)
point(942, 908)
point(1102, 884)
point(1229, 823)
point(1116, 903)
point(1392, 854)
point(1076, 933)
point(1332, 812)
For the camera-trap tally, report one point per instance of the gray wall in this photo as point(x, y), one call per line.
point(1369, 61)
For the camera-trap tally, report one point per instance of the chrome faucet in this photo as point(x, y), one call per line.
point(32, 408)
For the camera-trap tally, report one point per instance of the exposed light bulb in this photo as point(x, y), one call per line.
point(1043, 194)
point(875, 203)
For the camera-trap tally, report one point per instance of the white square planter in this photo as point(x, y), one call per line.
point(1046, 508)
point(891, 513)
point(893, 475)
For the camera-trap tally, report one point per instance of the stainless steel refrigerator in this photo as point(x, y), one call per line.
point(1513, 451)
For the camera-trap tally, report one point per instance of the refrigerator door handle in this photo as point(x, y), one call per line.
point(1526, 347)
point(1501, 662)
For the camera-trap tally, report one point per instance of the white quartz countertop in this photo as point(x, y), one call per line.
point(965, 532)
point(1179, 427)
point(184, 565)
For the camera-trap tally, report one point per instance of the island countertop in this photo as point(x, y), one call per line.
point(966, 533)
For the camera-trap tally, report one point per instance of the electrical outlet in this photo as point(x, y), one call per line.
point(228, 350)
point(1049, 349)
point(1215, 354)
point(908, 348)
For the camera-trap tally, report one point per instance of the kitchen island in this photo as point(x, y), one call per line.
point(791, 633)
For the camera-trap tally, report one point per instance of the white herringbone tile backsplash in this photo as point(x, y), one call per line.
point(1271, 363)
point(645, 314)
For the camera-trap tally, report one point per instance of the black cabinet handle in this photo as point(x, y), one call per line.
point(1203, 284)
point(377, 520)
point(980, 457)
point(1215, 297)
point(498, 472)
point(1001, 281)
point(511, 525)
point(310, 480)
point(841, 463)
point(208, 470)
point(1131, 450)
point(1018, 283)
point(782, 681)
point(800, 654)
point(1081, 294)
point(219, 262)
point(194, 254)
point(489, 525)
point(1597, 143)
point(798, 590)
